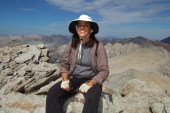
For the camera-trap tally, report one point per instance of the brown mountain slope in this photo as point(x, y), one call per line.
point(144, 64)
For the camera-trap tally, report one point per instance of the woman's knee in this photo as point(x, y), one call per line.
point(95, 89)
point(54, 89)
point(94, 93)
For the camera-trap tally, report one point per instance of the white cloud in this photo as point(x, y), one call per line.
point(58, 24)
point(119, 11)
point(73, 5)
point(128, 11)
point(28, 9)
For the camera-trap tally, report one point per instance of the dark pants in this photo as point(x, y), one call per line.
point(57, 96)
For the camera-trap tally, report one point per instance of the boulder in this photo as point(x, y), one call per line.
point(142, 97)
point(166, 102)
point(33, 53)
point(21, 103)
point(75, 104)
point(41, 46)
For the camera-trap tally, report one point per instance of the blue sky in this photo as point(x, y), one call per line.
point(118, 18)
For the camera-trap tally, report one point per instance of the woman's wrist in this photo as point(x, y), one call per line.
point(64, 76)
point(91, 82)
point(64, 79)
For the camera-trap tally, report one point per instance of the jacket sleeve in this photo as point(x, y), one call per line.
point(65, 61)
point(102, 65)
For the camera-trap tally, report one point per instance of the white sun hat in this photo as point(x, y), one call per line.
point(83, 17)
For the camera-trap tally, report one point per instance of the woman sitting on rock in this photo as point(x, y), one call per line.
point(84, 67)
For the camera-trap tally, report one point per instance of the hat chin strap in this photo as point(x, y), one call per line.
point(86, 36)
point(80, 47)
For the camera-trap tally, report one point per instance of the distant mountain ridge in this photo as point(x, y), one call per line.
point(166, 40)
point(51, 42)
point(144, 42)
point(54, 41)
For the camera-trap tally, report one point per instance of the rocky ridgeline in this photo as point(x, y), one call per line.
point(120, 49)
point(26, 76)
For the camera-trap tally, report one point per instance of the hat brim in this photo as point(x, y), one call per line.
point(72, 26)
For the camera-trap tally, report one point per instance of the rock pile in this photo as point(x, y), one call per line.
point(25, 69)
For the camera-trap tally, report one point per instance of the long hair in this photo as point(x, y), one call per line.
point(90, 43)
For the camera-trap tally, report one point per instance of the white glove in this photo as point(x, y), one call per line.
point(84, 88)
point(65, 84)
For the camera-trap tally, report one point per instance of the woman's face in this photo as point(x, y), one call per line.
point(83, 28)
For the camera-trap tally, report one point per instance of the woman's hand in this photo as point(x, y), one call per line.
point(65, 82)
point(65, 85)
point(86, 86)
